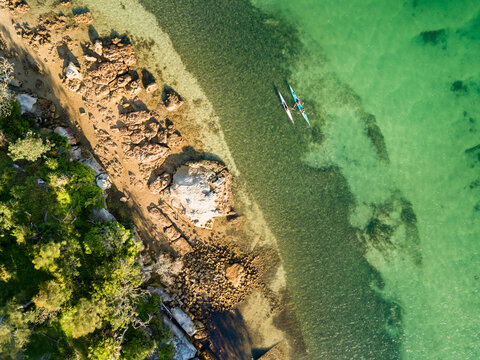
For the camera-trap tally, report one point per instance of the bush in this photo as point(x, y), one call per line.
point(30, 148)
point(46, 256)
point(138, 345)
point(104, 348)
point(6, 75)
point(15, 125)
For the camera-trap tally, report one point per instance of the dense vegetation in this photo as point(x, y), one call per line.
point(69, 286)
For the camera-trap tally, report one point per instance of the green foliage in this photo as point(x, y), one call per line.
point(108, 240)
point(138, 345)
point(5, 275)
point(79, 280)
point(52, 295)
point(104, 348)
point(45, 257)
point(82, 319)
point(15, 125)
point(30, 148)
point(15, 329)
point(118, 285)
point(162, 335)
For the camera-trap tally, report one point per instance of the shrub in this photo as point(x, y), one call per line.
point(104, 348)
point(6, 75)
point(46, 256)
point(138, 345)
point(30, 148)
point(14, 125)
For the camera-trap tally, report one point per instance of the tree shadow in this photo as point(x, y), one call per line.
point(66, 55)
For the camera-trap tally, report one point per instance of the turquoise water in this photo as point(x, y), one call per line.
point(376, 206)
point(399, 94)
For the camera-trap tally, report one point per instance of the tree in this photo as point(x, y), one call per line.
point(138, 345)
point(15, 329)
point(51, 296)
point(107, 239)
point(82, 319)
point(6, 76)
point(104, 348)
point(120, 288)
point(5, 275)
point(46, 255)
point(30, 148)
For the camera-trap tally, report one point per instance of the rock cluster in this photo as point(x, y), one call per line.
point(176, 239)
point(42, 33)
point(214, 278)
point(204, 276)
point(19, 6)
point(43, 110)
point(106, 73)
point(172, 99)
point(84, 18)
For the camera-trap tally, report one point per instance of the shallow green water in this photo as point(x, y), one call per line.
point(398, 92)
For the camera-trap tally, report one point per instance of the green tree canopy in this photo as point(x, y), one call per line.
point(30, 148)
point(83, 319)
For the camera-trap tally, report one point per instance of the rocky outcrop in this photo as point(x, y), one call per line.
point(184, 350)
point(183, 320)
point(26, 103)
point(171, 99)
point(84, 18)
point(42, 110)
point(19, 6)
point(201, 191)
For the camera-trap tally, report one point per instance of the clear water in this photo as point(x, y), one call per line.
point(375, 207)
point(397, 90)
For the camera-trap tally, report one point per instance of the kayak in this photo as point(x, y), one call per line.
point(285, 107)
point(298, 103)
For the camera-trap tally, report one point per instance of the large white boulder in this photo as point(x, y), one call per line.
point(26, 103)
point(198, 190)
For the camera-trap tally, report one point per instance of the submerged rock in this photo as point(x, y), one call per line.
point(172, 100)
point(84, 18)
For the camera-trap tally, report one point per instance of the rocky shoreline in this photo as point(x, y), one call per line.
point(90, 89)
